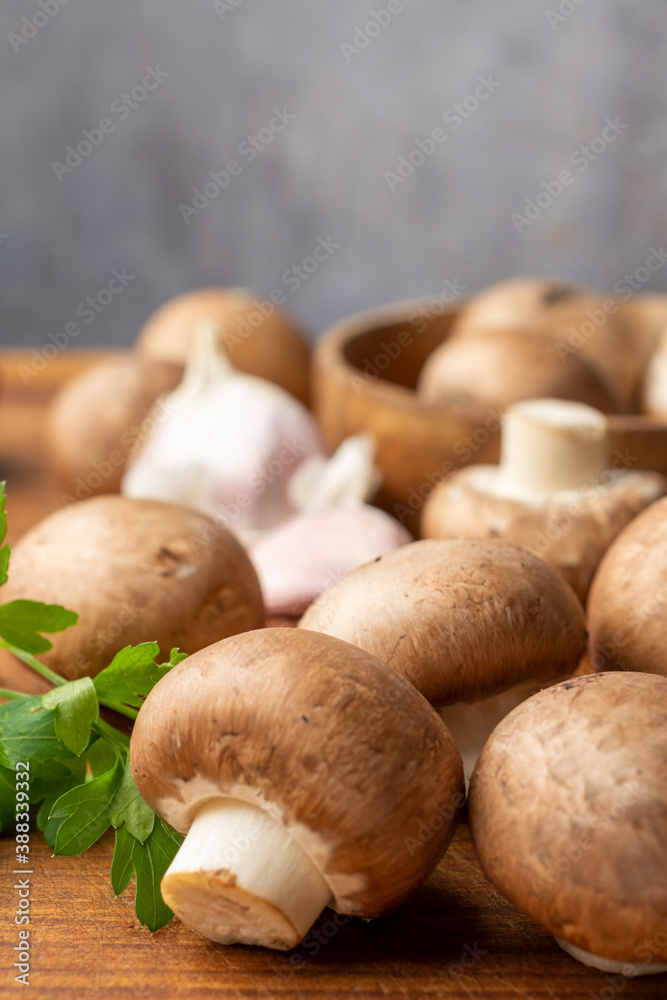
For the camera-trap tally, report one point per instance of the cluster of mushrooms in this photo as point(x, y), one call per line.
point(516, 651)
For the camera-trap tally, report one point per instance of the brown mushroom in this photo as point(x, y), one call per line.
point(553, 492)
point(500, 367)
point(300, 770)
point(98, 417)
point(569, 817)
point(654, 391)
point(627, 608)
point(259, 338)
point(475, 625)
point(134, 571)
point(582, 321)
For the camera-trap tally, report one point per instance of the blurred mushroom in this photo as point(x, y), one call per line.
point(582, 321)
point(552, 493)
point(627, 607)
point(569, 817)
point(259, 337)
point(654, 395)
point(97, 418)
point(297, 765)
point(500, 367)
point(475, 625)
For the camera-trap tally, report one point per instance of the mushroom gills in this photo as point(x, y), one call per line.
point(240, 877)
point(628, 969)
point(471, 723)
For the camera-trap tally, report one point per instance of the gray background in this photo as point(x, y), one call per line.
point(324, 175)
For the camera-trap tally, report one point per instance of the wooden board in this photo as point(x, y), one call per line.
point(457, 938)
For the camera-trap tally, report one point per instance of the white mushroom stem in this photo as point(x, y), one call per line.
point(472, 724)
point(239, 876)
point(628, 969)
point(552, 444)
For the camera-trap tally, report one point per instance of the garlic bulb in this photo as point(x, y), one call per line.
point(296, 561)
point(227, 444)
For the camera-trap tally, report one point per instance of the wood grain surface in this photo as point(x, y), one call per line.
point(456, 938)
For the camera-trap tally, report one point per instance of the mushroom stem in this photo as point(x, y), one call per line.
point(628, 969)
point(239, 876)
point(471, 724)
point(552, 444)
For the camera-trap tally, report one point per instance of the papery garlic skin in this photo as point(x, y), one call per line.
point(305, 556)
point(227, 444)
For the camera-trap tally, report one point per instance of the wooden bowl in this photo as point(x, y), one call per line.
point(365, 370)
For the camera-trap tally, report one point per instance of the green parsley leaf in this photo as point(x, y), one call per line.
point(131, 675)
point(149, 862)
point(49, 792)
point(176, 657)
point(27, 732)
point(86, 811)
point(128, 807)
point(101, 756)
point(22, 621)
point(76, 708)
point(7, 797)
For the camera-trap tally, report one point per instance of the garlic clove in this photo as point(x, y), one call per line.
point(349, 475)
point(305, 556)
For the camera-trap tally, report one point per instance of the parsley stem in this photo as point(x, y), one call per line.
point(31, 661)
point(130, 713)
point(116, 738)
point(7, 693)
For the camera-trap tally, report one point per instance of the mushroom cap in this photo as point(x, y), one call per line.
point(462, 620)
point(95, 420)
point(568, 811)
point(591, 323)
point(646, 316)
point(134, 571)
point(627, 606)
point(570, 530)
point(343, 752)
point(268, 345)
point(503, 366)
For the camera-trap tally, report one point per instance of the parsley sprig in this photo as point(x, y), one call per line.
point(80, 779)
